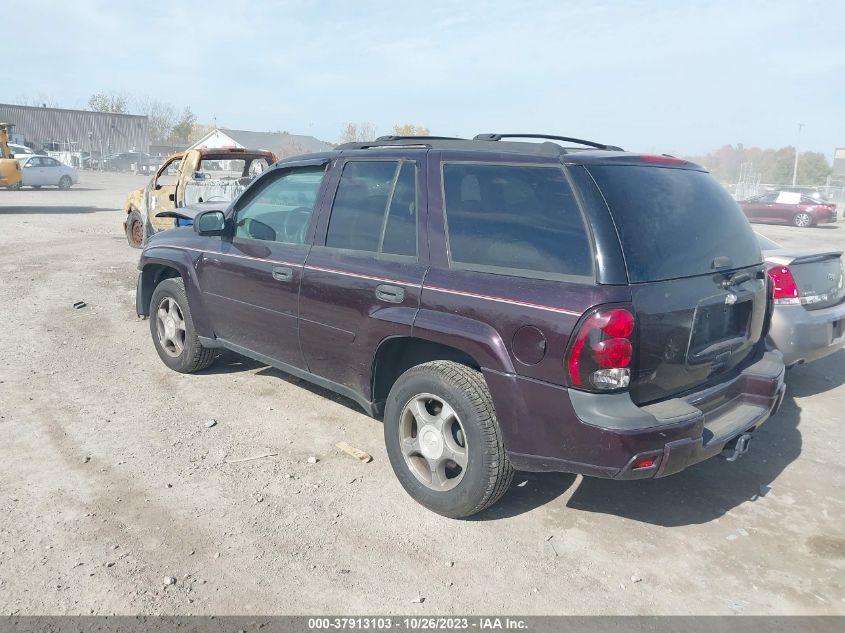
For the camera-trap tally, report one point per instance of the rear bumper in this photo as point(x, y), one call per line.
point(803, 335)
point(606, 435)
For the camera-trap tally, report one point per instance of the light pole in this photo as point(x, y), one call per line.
point(795, 166)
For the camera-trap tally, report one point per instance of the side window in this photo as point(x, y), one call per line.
point(514, 219)
point(375, 208)
point(769, 197)
point(280, 208)
point(50, 162)
point(400, 232)
point(170, 174)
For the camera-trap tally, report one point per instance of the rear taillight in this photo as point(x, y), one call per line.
point(600, 355)
point(786, 290)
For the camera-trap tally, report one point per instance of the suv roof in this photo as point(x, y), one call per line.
point(593, 152)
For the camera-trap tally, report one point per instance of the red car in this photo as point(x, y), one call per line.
point(788, 207)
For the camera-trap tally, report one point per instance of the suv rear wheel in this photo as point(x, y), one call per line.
point(173, 331)
point(443, 440)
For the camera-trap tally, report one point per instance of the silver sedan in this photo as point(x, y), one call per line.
point(39, 171)
point(809, 289)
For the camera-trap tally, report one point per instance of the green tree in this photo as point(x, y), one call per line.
point(108, 102)
point(184, 128)
point(774, 165)
point(813, 169)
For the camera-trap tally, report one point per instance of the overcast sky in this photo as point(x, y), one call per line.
point(652, 75)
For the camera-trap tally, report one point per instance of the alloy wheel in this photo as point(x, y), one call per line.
point(170, 326)
point(802, 219)
point(433, 442)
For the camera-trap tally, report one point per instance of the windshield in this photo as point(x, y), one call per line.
point(675, 222)
point(230, 168)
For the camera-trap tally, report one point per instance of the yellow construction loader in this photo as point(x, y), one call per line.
point(10, 169)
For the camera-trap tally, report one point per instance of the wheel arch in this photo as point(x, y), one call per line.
point(152, 274)
point(395, 355)
point(154, 269)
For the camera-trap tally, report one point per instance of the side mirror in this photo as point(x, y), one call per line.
point(210, 223)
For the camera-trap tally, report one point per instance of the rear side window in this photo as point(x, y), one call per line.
point(674, 222)
point(515, 219)
point(375, 208)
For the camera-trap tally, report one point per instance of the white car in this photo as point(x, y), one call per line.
point(39, 171)
point(20, 151)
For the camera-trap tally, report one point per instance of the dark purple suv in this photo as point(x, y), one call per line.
point(501, 305)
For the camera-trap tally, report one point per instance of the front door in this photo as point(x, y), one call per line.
point(33, 172)
point(250, 280)
point(363, 277)
point(161, 193)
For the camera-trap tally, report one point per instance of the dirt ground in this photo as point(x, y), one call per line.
point(111, 481)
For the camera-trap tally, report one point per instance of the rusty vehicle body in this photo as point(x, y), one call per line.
point(187, 178)
point(10, 169)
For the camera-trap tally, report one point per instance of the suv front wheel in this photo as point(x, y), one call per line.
point(443, 440)
point(172, 327)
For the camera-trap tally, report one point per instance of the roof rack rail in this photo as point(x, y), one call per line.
point(392, 137)
point(569, 139)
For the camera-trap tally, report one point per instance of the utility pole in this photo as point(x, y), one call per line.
point(795, 166)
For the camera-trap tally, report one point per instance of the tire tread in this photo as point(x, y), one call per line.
point(200, 357)
point(470, 382)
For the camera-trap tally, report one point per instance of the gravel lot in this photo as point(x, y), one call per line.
point(111, 481)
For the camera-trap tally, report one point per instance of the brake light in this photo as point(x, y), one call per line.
point(602, 350)
point(644, 462)
point(786, 290)
point(663, 158)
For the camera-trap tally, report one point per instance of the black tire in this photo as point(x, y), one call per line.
point(65, 182)
point(488, 471)
point(136, 230)
point(193, 356)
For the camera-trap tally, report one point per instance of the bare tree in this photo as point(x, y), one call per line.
point(162, 117)
point(291, 149)
point(109, 102)
point(40, 100)
point(409, 129)
point(358, 132)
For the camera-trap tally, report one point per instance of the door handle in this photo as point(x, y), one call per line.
point(390, 294)
point(283, 273)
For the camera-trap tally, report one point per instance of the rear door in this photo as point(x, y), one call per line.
point(757, 209)
point(250, 281)
point(52, 171)
point(362, 281)
point(696, 275)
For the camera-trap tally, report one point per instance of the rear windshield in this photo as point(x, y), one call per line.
point(675, 222)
